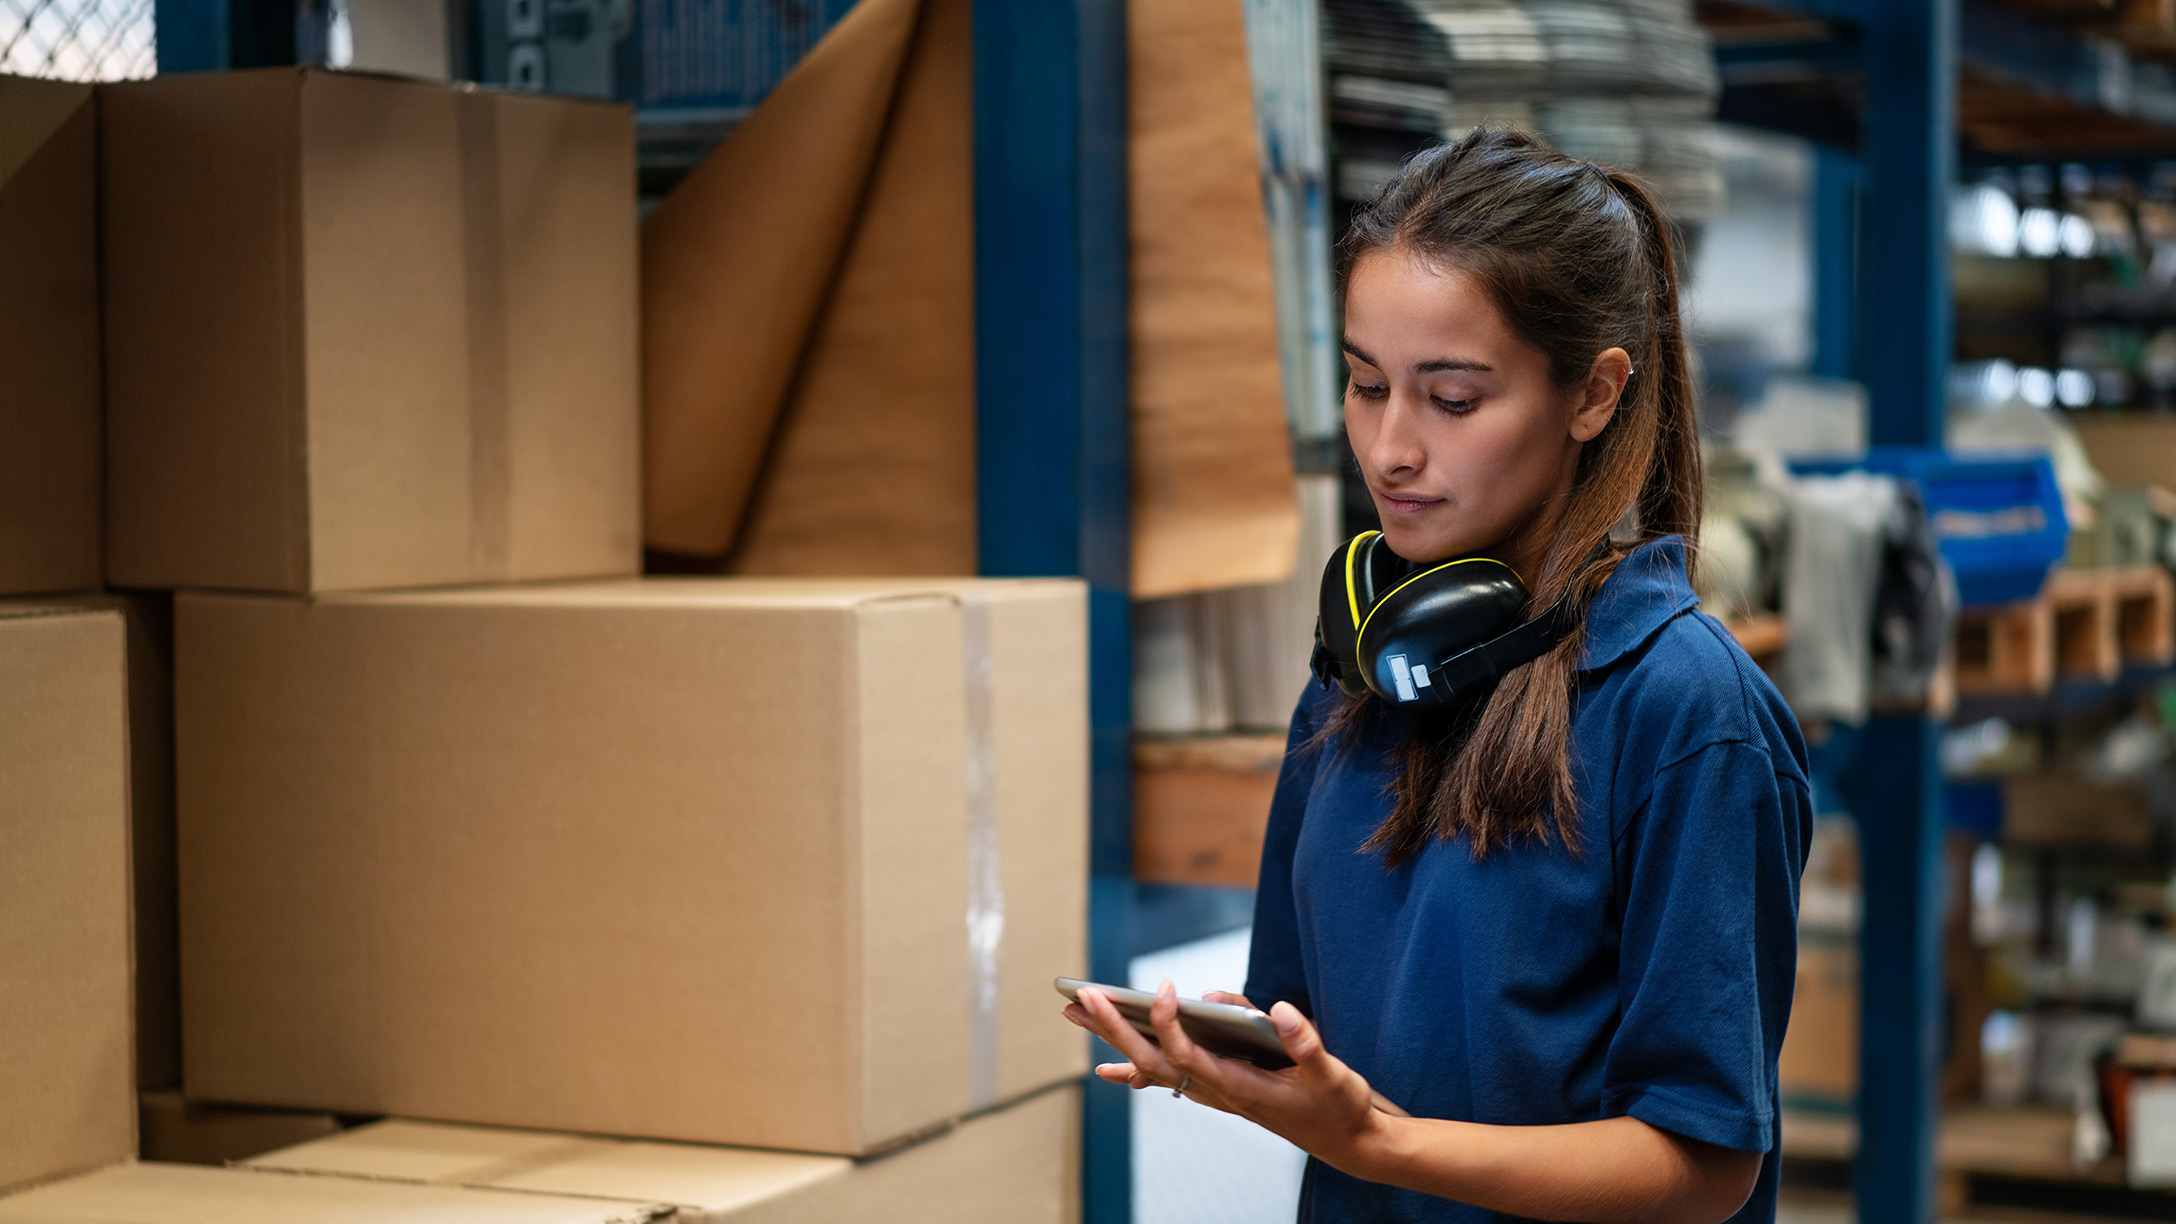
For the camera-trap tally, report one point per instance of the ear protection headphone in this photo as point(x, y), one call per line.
point(1428, 636)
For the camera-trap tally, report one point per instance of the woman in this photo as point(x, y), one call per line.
point(1532, 960)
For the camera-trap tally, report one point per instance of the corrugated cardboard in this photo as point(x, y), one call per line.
point(187, 1194)
point(149, 659)
point(65, 1067)
point(180, 1131)
point(1018, 1164)
point(49, 414)
point(366, 333)
point(684, 860)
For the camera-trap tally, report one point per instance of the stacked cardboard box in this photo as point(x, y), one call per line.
point(784, 865)
point(64, 1009)
point(1010, 1167)
point(49, 465)
point(734, 862)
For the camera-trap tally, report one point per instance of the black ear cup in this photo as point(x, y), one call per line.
point(1352, 580)
point(1433, 617)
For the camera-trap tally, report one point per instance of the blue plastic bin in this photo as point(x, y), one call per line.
point(1998, 519)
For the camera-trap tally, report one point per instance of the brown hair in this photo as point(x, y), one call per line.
point(1579, 258)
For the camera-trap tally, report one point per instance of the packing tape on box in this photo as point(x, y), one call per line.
point(985, 884)
point(489, 483)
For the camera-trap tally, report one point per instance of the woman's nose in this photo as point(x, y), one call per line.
point(1397, 449)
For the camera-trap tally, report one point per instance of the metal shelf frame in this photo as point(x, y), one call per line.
point(1883, 314)
point(1052, 423)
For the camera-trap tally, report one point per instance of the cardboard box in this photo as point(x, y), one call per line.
point(1016, 1166)
point(187, 1194)
point(175, 1130)
point(65, 1067)
point(786, 865)
point(50, 484)
point(1820, 1060)
point(366, 333)
point(148, 658)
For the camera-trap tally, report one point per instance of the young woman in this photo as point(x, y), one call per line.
point(1532, 959)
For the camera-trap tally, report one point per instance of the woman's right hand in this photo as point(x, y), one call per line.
point(1240, 1000)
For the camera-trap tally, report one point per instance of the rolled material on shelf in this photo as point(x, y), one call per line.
point(809, 328)
point(735, 268)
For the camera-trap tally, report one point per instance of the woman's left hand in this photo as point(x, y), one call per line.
point(1319, 1104)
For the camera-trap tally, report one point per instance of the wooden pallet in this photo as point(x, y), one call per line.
point(2145, 600)
point(2086, 624)
point(1200, 807)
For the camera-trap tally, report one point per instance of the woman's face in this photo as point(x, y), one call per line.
point(1463, 437)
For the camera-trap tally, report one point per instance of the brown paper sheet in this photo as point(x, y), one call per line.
point(1213, 494)
point(868, 468)
point(873, 469)
point(737, 262)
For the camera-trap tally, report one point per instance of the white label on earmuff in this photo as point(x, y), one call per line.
point(1420, 676)
point(1403, 677)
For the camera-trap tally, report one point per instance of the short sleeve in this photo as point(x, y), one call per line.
point(1707, 875)
point(1274, 969)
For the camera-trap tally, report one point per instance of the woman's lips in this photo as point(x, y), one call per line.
point(1404, 504)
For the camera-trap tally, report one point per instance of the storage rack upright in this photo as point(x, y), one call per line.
point(1892, 93)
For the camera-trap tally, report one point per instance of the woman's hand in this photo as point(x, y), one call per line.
point(1319, 1104)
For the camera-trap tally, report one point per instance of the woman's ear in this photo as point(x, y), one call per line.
point(1598, 396)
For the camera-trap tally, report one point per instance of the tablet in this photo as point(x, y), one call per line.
point(1220, 1028)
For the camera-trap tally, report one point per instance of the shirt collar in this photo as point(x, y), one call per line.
point(1647, 589)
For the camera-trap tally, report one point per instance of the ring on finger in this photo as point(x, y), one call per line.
point(1184, 1080)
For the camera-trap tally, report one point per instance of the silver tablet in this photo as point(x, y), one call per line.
point(1220, 1028)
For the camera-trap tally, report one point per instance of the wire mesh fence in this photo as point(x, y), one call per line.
point(77, 40)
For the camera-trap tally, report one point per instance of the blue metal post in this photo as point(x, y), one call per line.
point(1904, 346)
point(215, 35)
point(1910, 162)
point(1835, 262)
point(1051, 411)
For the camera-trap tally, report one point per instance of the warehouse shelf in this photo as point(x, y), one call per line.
point(1201, 802)
point(2027, 87)
point(1979, 1148)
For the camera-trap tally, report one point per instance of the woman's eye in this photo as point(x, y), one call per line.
point(1367, 392)
point(1454, 407)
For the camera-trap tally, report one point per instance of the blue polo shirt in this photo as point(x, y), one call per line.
point(1650, 974)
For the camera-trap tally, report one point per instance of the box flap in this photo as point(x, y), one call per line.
point(433, 1152)
point(687, 1175)
point(188, 1194)
point(705, 1179)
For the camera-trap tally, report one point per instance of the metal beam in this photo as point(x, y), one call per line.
point(1909, 158)
point(1904, 345)
point(1835, 207)
point(1051, 412)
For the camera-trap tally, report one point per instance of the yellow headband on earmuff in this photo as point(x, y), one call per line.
point(1352, 593)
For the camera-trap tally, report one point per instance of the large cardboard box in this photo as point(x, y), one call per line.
point(188, 1194)
point(49, 414)
point(365, 333)
point(65, 1069)
point(786, 865)
point(1019, 1165)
